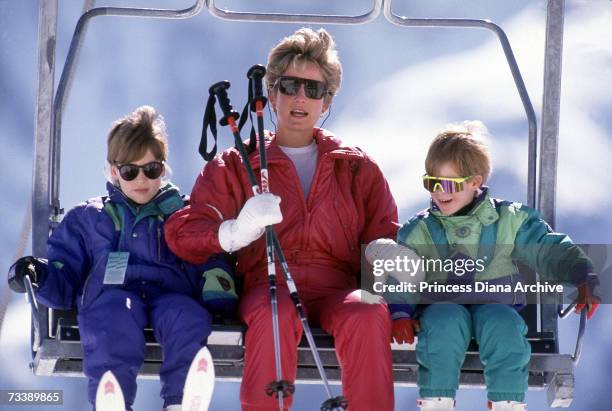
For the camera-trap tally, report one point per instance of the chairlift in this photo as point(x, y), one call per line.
point(56, 348)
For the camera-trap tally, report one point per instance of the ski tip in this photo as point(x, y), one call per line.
point(109, 396)
point(200, 382)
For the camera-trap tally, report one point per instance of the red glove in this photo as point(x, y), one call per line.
point(403, 330)
point(586, 298)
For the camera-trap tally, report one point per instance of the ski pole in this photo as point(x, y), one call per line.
point(257, 105)
point(281, 387)
point(255, 76)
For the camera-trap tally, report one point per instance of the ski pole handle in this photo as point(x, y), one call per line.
point(255, 75)
point(220, 91)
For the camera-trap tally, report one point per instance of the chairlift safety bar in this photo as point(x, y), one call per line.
point(295, 18)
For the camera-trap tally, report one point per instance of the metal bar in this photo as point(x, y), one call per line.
point(294, 18)
point(516, 75)
point(87, 5)
point(36, 337)
point(47, 29)
point(551, 103)
point(69, 67)
point(580, 337)
point(565, 312)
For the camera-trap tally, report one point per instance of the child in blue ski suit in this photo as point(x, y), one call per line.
point(464, 222)
point(109, 258)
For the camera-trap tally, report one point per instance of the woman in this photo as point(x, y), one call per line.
point(334, 198)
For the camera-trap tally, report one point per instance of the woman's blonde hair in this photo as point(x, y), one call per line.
point(462, 145)
point(306, 46)
point(131, 137)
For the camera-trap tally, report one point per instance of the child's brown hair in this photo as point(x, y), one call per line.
point(462, 145)
point(131, 137)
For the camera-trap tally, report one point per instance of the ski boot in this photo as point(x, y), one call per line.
point(436, 404)
point(506, 406)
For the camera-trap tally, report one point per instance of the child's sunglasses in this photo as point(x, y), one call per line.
point(151, 170)
point(290, 86)
point(446, 184)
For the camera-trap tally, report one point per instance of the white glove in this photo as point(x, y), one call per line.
point(257, 213)
point(389, 258)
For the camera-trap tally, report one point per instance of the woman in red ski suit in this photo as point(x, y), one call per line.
point(331, 198)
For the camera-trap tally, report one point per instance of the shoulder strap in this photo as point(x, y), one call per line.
point(438, 235)
point(488, 236)
point(111, 210)
point(116, 213)
point(488, 240)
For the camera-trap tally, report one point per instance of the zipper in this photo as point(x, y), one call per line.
point(84, 290)
point(158, 244)
point(313, 183)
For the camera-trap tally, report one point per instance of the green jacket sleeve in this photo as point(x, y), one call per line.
point(553, 255)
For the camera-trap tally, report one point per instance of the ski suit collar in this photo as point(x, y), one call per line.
point(484, 209)
point(328, 145)
point(166, 201)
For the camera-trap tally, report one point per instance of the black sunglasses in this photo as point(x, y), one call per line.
point(290, 86)
point(151, 170)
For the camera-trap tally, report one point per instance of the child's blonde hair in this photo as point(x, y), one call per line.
point(303, 46)
point(463, 146)
point(131, 137)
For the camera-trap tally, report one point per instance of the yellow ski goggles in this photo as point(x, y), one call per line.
point(446, 184)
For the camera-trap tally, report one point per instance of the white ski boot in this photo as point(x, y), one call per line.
point(109, 396)
point(199, 383)
point(506, 406)
point(436, 404)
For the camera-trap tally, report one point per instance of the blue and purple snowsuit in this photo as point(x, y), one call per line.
point(159, 290)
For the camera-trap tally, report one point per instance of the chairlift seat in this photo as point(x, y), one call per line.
point(61, 354)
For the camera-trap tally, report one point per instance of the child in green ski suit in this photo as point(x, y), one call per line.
point(463, 223)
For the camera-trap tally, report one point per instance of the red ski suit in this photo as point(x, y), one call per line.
point(349, 204)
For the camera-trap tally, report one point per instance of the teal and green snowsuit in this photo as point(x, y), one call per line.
point(499, 233)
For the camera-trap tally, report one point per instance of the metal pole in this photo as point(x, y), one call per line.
point(551, 103)
point(87, 5)
point(47, 28)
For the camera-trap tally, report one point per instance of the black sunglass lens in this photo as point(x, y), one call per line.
point(153, 170)
point(289, 86)
point(313, 89)
point(128, 172)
